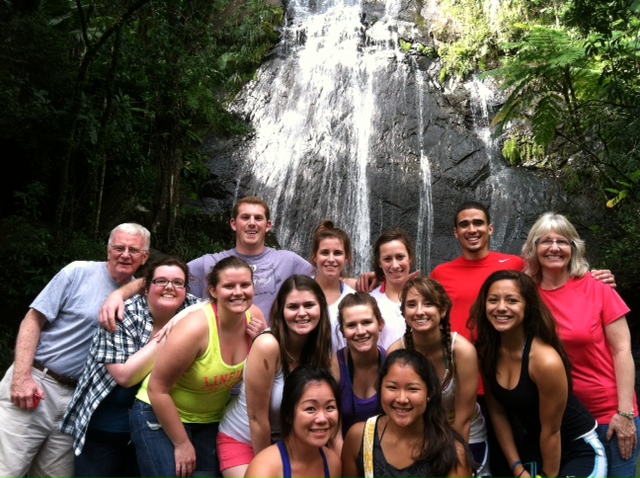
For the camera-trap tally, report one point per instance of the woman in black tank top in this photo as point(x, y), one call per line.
point(541, 426)
point(413, 436)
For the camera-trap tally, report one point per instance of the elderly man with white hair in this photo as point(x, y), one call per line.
point(51, 350)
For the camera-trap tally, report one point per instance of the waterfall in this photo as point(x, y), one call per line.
point(347, 125)
point(425, 214)
point(314, 116)
point(483, 100)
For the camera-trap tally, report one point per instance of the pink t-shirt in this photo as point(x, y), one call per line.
point(583, 308)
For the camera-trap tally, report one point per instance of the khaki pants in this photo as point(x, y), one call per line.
point(31, 442)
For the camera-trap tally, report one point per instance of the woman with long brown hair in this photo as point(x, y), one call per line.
point(300, 335)
point(541, 426)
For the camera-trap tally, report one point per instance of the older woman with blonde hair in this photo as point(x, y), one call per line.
point(592, 324)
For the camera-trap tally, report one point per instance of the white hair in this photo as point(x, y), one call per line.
point(133, 229)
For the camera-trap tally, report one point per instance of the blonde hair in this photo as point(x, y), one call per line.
point(548, 223)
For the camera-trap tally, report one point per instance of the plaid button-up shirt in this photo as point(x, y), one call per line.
point(133, 333)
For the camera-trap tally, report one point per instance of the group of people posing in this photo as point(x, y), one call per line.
point(255, 362)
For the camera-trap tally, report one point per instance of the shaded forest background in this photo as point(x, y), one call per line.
point(106, 105)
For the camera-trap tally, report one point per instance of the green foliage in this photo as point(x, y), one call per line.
point(625, 189)
point(106, 103)
point(620, 246)
point(573, 89)
point(199, 233)
point(521, 150)
point(405, 45)
point(478, 31)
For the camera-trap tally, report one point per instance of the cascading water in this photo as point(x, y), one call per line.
point(499, 184)
point(425, 214)
point(349, 126)
point(314, 118)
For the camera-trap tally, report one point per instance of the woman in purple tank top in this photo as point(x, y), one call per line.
point(356, 366)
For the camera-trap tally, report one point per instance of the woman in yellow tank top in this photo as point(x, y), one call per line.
point(175, 419)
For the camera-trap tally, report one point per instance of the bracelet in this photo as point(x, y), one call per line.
point(523, 470)
point(514, 466)
point(629, 416)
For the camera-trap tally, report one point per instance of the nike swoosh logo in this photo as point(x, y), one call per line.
point(503, 260)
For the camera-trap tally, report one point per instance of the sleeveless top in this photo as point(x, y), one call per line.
point(354, 408)
point(372, 462)
point(202, 391)
point(286, 463)
point(235, 422)
point(478, 429)
point(523, 402)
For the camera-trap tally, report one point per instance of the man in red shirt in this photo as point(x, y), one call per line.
point(462, 278)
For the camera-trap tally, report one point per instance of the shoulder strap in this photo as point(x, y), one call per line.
point(368, 438)
point(286, 464)
point(327, 473)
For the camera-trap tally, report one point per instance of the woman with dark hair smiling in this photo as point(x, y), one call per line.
point(308, 421)
point(393, 258)
point(542, 427)
point(413, 436)
point(300, 335)
point(331, 255)
point(426, 308)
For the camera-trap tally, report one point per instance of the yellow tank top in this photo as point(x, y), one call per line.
point(203, 390)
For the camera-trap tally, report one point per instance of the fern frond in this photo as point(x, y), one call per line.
point(546, 119)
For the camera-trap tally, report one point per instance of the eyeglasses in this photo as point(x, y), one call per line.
point(133, 251)
point(162, 282)
point(561, 243)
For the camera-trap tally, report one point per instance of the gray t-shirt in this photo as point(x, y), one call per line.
point(270, 270)
point(71, 302)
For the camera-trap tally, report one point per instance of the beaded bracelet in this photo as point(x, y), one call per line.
point(630, 416)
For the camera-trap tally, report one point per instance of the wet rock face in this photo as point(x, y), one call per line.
point(350, 127)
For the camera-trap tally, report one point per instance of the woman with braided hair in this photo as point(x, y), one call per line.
point(426, 307)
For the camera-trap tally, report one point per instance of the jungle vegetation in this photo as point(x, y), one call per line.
point(570, 70)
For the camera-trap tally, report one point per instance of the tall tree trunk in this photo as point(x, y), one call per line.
point(68, 160)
